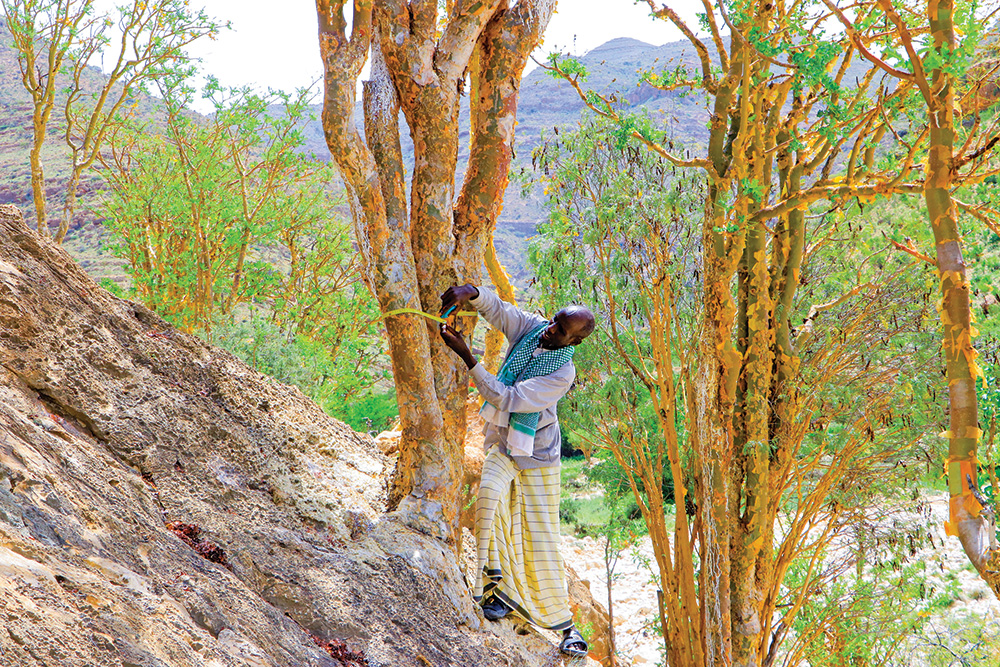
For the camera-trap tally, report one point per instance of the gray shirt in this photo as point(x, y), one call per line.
point(537, 394)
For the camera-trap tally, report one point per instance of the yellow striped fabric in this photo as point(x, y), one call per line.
point(517, 541)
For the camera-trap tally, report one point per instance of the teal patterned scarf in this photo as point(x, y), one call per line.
point(521, 365)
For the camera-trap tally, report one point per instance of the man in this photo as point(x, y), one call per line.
point(517, 512)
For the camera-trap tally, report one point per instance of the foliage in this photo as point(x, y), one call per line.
point(230, 230)
point(370, 410)
point(581, 506)
point(860, 620)
point(203, 212)
point(571, 66)
point(988, 393)
point(957, 642)
point(331, 379)
point(627, 197)
point(567, 448)
point(620, 239)
point(58, 41)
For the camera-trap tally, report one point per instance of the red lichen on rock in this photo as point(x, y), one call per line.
point(190, 534)
point(338, 651)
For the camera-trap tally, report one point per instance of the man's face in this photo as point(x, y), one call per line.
point(563, 330)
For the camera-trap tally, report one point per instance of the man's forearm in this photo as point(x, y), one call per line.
point(470, 360)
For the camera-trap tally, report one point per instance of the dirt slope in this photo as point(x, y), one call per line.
point(113, 425)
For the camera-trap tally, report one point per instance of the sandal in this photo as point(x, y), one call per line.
point(495, 609)
point(573, 644)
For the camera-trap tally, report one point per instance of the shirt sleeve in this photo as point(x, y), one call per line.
point(507, 318)
point(531, 395)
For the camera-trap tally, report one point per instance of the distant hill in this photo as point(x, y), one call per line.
point(545, 103)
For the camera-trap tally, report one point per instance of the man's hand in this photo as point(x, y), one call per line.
point(454, 340)
point(457, 295)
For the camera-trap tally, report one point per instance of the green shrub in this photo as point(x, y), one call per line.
point(332, 381)
point(371, 411)
point(567, 449)
point(568, 510)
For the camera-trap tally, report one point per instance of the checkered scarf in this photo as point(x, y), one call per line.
point(521, 365)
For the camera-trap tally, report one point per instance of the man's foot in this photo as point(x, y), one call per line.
point(494, 610)
point(573, 644)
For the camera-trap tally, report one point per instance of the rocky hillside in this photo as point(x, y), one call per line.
point(163, 505)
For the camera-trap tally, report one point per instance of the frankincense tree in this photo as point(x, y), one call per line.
point(416, 244)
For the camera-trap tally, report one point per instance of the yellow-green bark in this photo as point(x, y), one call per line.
point(934, 77)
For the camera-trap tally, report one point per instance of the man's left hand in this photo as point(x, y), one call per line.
point(454, 340)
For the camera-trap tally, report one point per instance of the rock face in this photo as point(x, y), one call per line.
point(113, 425)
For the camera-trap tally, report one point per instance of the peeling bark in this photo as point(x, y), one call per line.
point(500, 52)
point(963, 433)
point(745, 421)
point(416, 249)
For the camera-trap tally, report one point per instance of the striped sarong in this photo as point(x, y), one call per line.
point(517, 541)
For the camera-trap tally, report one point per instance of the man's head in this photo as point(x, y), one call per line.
point(570, 326)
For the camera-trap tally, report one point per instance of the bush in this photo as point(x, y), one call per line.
point(332, 381)
point(371, 411)
point(265, 347)
point(567, 450)
point(611, 476)
point(569, 508)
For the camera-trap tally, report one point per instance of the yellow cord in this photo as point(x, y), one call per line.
point(436, 318)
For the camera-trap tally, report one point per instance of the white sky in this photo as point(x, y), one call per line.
point(279, 49)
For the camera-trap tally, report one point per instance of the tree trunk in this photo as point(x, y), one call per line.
point(493, 109)
point(69, 207)
point(414, 251)
point(38, 173)
point(956, 315)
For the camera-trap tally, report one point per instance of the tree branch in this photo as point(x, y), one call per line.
point(454, 49)
point(913, 252)
point(665, 12)
point(859, 42)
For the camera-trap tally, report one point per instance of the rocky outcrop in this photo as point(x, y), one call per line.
point(114, 425)
point(590, 615)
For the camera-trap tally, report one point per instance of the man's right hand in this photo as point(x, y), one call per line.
point(457, 295)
